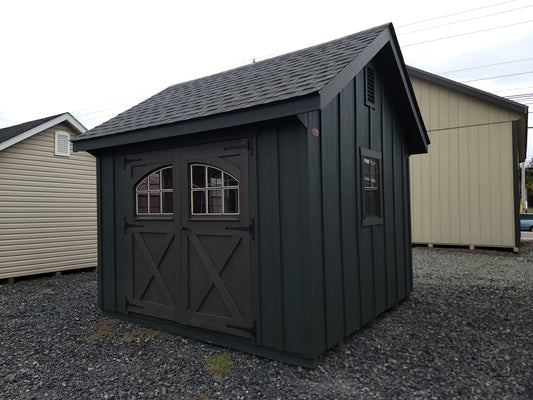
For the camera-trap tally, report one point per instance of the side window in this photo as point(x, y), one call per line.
point(372, 186)
point(153, 194)
point(213, 191)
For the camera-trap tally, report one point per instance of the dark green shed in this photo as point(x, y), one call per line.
point(265, 208)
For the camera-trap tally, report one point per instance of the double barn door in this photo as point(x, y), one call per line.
point(187, 231)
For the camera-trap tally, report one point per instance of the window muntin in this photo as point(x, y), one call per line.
point(371, 187)
point(154, 193)
point(372, 198)
point(213, 191)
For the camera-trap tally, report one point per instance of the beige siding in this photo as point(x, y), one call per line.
point(47, 208)
point(462, 190)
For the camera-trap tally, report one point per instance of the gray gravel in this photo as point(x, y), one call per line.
point(465, 333)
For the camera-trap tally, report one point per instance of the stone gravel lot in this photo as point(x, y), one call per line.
point(466, 332)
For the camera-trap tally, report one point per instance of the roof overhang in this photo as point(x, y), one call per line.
point(66, 117)
point(510, 105)
point(266, 112)
point(416, 130)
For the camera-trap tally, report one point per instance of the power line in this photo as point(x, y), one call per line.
point(521, 96)
point(485, 66)
point(457, 13)
point(468, 33)
point(510, 90)
point(495, 77)
point(465, 20)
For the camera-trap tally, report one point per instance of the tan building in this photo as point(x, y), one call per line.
point(47, 199)
point(465, 191)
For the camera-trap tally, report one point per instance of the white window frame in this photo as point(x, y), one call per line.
point(149, 191)
point(60, 149)
point(207, 188)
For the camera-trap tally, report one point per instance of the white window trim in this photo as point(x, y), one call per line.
point(149, 191)
point(206, 189)
point(60, 148)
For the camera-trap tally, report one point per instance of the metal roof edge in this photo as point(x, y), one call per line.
point(469, 90)
point(257, 114)
point(46, 125)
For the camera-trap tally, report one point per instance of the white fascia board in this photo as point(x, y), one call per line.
point(59, 119)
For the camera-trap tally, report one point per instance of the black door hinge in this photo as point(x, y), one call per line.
point(127, 225)
point(130, 305)
point(250, 228)
point(251, 330)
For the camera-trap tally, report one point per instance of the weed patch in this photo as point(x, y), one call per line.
point(218, 364)
point(103, 328)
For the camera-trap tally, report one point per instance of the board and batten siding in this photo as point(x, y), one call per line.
point(462, 190)
point(47, 207)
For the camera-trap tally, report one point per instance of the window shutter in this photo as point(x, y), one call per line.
point(62, 144)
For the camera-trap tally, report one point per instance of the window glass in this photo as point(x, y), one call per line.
point(154, 181)
point(230, 180)
point(231, 201)
point(198, 202)
point(155, 203)
point(142, 203)
point(198, 176)
point(143, 186)
point(166, 178)
point(154, 193)
point(214, 177)
point(215, 201)
point(371, 188)
point(213, 191)
point(166, 202)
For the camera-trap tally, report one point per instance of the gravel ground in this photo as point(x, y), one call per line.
point(464, 333)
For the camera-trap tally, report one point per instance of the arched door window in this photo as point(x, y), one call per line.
point(154, 193)
point(213, 191)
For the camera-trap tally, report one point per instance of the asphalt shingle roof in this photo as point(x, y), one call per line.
point(280, 78)
point(13, 131)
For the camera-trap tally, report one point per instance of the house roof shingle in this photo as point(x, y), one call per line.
point(12, 131)
point(288, 76)
point(14, 134)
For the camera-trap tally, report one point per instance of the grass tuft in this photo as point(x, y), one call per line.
point(102, 328)
point(218, 364)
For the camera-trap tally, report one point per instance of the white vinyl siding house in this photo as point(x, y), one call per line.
point(47, 203)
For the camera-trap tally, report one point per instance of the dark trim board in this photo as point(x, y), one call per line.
point(216, 122)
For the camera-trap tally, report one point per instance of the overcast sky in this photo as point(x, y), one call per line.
point(97, 58)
